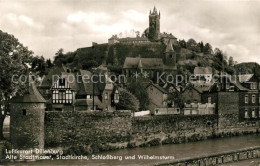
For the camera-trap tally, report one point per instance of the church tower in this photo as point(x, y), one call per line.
point(154, 25)
point(170, 55)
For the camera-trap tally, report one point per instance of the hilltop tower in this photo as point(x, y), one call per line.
point(170, 55)
point(154, 25)
point(27, 119)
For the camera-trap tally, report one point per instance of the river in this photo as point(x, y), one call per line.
point(179, 151)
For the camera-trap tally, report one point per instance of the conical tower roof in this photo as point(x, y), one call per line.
point(169, 47)
point(31, 96)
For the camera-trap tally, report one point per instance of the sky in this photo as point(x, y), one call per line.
point(45, 26)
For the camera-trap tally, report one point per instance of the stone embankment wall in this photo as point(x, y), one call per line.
point(87, 132)
point(84, 132)
point(172, 129)
point(218, 158)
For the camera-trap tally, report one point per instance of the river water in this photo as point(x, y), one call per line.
point(179, 151)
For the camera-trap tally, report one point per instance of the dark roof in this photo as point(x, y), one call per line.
point(158, 87)
point(147, 63)
point(31, 96)
point(99, 82)
point(71, 79)
point(235, 80)
point(245, 77)
point(47, 79)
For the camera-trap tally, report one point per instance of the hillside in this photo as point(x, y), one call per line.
point(189, 55)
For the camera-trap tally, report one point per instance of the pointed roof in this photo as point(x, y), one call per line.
point(169, 47)
point(31, 96)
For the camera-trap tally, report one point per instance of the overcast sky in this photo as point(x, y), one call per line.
point(47, 25)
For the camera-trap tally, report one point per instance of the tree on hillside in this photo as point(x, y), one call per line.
point(38, 65)
point(201, 45)
point(192, 45)
point(49, 63)
point(182, 43)
point(231, 61)
point(127, 101)
point(207, 49)
point(59, 57)
point(13, 59)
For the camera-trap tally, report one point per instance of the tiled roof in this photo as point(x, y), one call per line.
point(245, 77)
point(147, 63)
point(31, 96)
point(47, 80)
point(159, 87)
point(99, 82)
point(71, 79)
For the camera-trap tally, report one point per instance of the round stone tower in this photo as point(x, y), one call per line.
point(27, 119)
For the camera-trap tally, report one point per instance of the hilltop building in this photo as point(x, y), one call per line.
point(153, 33)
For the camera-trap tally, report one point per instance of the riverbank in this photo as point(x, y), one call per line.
point(179, 151)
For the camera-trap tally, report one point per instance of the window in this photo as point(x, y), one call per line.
point(253, 99)
point(253, 85)
point(24, 112)
point(209, 99)
point(62, 96)
point(62, 82)
point(253, 113)
point(246, 114)
point(106, 96)
point(246, 98)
